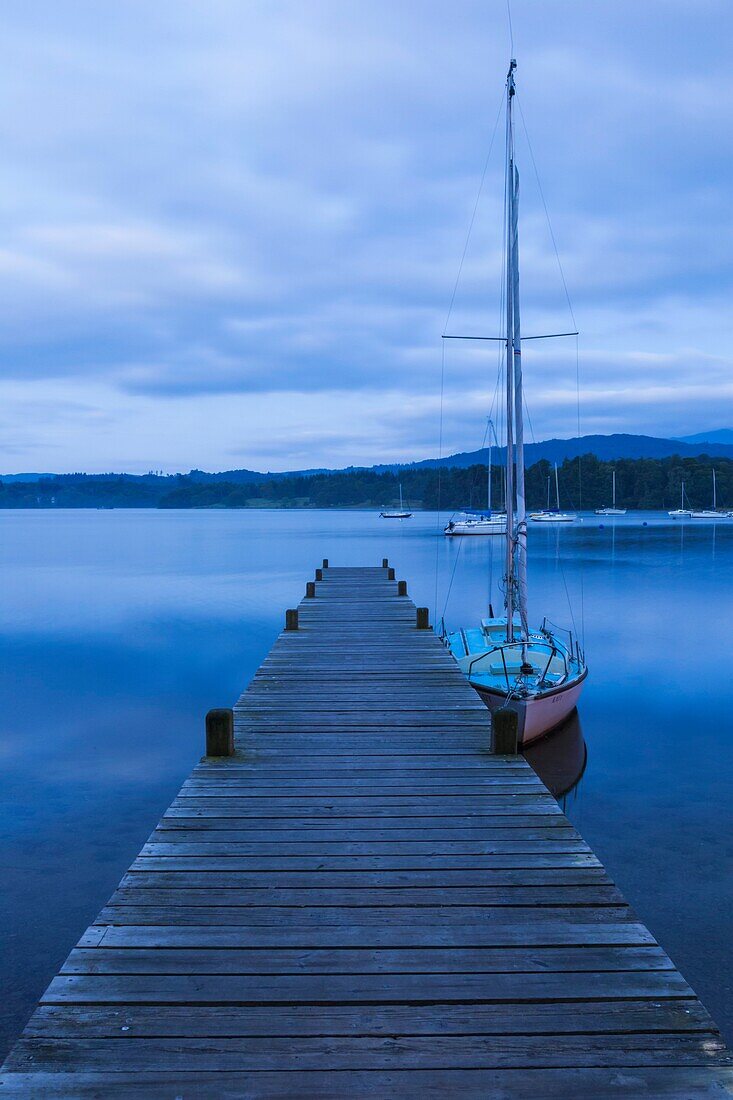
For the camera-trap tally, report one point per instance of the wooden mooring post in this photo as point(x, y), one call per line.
point(506, 731)
point(365, 901)
point(220, 732)
point(291, 618)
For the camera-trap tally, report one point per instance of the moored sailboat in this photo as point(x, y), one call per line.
point(475, 522)
point(537, 673)
point(681, 512)
point(710, 513)
point(470, 522)
point(613, 510)
point(550, 516)
point(401, 514)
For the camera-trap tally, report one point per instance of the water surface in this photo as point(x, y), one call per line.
point(120, 629)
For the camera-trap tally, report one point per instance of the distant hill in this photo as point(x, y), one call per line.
point(607, 448)
point(25, 477)
point(640, 483)
point(233, 477)
point(722, 435)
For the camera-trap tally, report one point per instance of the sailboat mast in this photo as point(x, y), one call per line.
point(613, 503)
point(401, 508)
point(521, 510)
point(557, 491)
point(509, 184)
point(715, 501)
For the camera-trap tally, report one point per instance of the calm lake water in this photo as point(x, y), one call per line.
point(120, 629)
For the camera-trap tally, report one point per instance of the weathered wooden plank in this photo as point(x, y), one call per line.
point(353, 810)
point(354, 897)
point(335, 960)
point(343, 929)
point(496, 840)
point(273, 879)
point(244, 791)
point(645, 1083)
point(401, 1052)
point(623, 1017)
point(407, 924)
point(225, 859)
point(363, 829)
point(352, 988)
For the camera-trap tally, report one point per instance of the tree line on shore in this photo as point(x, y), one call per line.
point(644, 483)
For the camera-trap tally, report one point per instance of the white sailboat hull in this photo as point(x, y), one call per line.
point(610, 511)
point(552, 517)
point(395, 515)
point(540, 714)
point(489, 527)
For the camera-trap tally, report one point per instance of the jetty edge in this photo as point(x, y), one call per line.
point(364, 899)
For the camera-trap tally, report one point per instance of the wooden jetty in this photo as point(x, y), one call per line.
point(365, 901)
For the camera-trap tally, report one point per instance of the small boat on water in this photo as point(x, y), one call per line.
point(681, 512)
point(548, 515)
point(613, 510)
point(477, 523)
point(473, 522)
point(402, 513)
point(538, 673)
point(710, 513)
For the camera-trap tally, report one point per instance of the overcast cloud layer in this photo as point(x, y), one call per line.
point(229, 231)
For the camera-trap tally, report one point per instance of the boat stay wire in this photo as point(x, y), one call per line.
point(445, 326)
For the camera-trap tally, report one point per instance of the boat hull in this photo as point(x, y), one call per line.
point(477, 529)
point(395, 515)
point(540, 714)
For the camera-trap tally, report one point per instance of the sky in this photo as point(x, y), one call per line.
point(230, 231)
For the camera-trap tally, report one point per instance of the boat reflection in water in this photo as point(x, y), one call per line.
point(559, 759)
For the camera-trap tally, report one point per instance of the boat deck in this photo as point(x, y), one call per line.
point(364, 901)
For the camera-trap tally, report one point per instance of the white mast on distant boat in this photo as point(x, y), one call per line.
point(488, 478)
point(401, 514)
point(681, 512)
point(709, 513)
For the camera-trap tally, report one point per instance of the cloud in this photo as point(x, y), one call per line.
point(265, 213)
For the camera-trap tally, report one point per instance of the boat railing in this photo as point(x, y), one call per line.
point(549, 629)
point(554, 652)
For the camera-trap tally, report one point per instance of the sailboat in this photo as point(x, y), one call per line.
point(537, 673)
point(401, 514)
point(613, 510)
point(476, 522)
point(681, 512)
point(710, 513)
point(556, 516)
